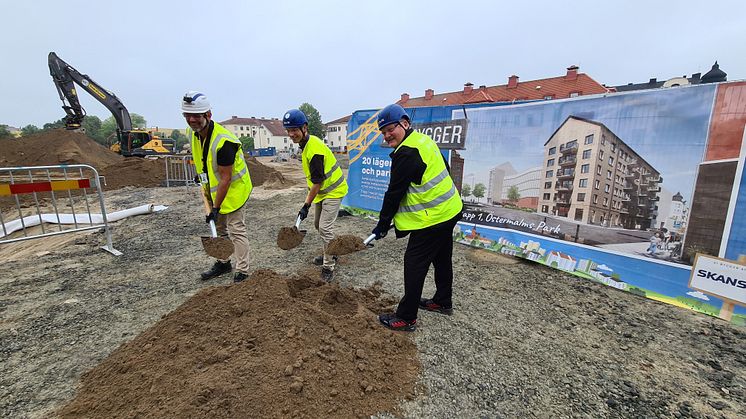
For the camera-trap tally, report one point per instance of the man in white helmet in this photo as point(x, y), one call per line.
point(224, 177)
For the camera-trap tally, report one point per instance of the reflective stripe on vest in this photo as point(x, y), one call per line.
point(240, 186)
point(434, 201)
point(334, 184)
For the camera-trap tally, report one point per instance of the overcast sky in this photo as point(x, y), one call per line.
point(255, 58)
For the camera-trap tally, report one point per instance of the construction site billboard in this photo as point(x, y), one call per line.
point(624, 189)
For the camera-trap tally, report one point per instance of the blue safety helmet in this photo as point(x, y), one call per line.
point(294, 118)
point(391, 114)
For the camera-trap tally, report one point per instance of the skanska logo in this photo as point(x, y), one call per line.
point(714, 276)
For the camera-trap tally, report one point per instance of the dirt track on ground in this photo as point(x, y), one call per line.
point(525, 340)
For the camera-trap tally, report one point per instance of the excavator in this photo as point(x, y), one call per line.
point(130, 142)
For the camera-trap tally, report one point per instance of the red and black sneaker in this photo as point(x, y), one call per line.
point(395, 323)
point(431, 305)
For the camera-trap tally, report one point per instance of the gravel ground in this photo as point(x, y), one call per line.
point(524, 341)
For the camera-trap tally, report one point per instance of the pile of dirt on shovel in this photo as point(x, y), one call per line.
point(272, 346)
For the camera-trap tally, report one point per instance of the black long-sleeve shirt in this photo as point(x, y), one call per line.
point(407, 167)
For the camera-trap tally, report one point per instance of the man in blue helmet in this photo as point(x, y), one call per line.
point(224, 177)
point(422, 202)
point(326, 184)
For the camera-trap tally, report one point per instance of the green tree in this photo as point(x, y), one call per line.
point(60, 123)
point(92, 126)
point(479, 190)
point(29, 130)
point(466, 191)
point(513, 194)
point(179, 139)
point(315, 127)
point(5, 132)
point(109, 126)
point(247, 143)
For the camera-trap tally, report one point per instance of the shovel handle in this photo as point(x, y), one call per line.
point(208, 208)
point(369, 239)
point(297, 222)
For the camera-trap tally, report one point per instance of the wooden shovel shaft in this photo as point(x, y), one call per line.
point(208, 208)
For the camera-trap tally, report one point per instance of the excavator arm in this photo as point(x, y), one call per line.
point(65, 77)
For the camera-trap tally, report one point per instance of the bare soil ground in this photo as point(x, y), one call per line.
point(524, 341)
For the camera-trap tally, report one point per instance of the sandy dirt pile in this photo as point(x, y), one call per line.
point(70, 147)
point(345, 244)
point(290, 237)
point(273, 346)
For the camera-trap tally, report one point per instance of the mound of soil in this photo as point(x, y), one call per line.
point(271, 346)
point(56, 147)
point(69, 147)
point(289, 237)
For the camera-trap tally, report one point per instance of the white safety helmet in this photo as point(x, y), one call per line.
point(195, 102)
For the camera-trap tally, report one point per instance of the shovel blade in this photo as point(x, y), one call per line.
point(290, 237)
point(218, 247)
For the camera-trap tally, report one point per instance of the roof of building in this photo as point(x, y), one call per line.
point(274, 125)
point(713, 76)
point(553, 87)
point(342, 120)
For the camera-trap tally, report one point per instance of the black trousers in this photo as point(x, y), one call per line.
point(434, 246)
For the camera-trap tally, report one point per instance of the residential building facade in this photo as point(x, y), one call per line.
point(265, 132)
point(336, 134)
point(590, 175)
point(526, 184)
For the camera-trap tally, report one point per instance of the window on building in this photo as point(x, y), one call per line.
point(544, 209)
point(574, 94)
point(600, 154)
point(550, 162)
point(603, 139)
point(585, 168)
point(611, 161)
point(597, 184)
point(595, 199)
point(583, 183)
point(589, 139)
point(613, 147)
point(548, 97)
point(586, 154)
point(608, 174)
point(547, 185)
point(547, 196)
point(552, 151)
point(578, 214)
point(581, 197)
point(606, 202)
point(607, 188)
point(549, 173)
point(598, 169)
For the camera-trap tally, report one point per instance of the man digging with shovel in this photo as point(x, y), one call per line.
point(326, 184)
point(224, 177)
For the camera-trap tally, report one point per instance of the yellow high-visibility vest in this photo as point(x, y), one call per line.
point(435, 199)
point(334, 185)
point(240, 187)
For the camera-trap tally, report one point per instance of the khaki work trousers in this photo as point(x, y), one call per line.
point(233, 225)
point(324, 217)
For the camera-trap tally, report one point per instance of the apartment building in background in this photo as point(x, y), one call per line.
point(590, 175)
point(526, 184)
point(265, 132)
point(336, 133)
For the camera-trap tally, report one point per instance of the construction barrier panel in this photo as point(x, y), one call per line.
point(33, 196)
point(624, 189)
point(180, 171)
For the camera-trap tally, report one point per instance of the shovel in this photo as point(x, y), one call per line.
point(290, 237)
point(342, 245)
point(217, 247)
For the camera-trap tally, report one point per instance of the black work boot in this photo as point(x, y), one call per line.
point(431, 305)
point(239, 277)
point(217, 269)
point(319, 260)
point(327, 274)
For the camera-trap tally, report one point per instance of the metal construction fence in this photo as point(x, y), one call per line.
point(43, 201)
point(180, 171)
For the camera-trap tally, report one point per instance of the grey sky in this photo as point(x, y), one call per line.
point(262, 58)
